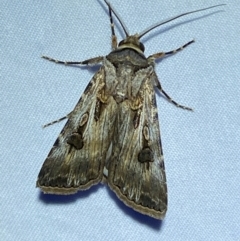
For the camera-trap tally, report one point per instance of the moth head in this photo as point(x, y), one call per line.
point(132, 42)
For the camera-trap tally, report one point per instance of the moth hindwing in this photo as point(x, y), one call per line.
point(113, 133)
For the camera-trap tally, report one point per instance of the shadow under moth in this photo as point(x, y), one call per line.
point(112, 135)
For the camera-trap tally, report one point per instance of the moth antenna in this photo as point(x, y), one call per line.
point(173, 18)
point(118, 18)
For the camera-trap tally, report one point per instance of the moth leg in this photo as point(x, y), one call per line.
point(114, 37)
point(57, 121)
point(164, 54)
point(158, 85)
point(91, 61)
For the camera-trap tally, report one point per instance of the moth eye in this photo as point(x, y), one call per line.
point(141, 46)
point(121, 43)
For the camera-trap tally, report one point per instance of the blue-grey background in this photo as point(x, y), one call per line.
point(201, 149)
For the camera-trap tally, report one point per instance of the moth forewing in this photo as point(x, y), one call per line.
point(113, 132)
point(136, 169)
point(77, 158)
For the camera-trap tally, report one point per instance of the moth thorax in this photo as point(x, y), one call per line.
point(132, 42)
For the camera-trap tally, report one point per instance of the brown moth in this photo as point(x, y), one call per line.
point(113, 133)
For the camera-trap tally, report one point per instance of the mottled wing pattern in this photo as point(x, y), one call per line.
point(77, 158)
point(136, 169)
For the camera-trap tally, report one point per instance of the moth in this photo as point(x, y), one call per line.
point(112, 135)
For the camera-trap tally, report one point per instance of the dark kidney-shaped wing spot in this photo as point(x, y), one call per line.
point(76, 140)
point(145, 155)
